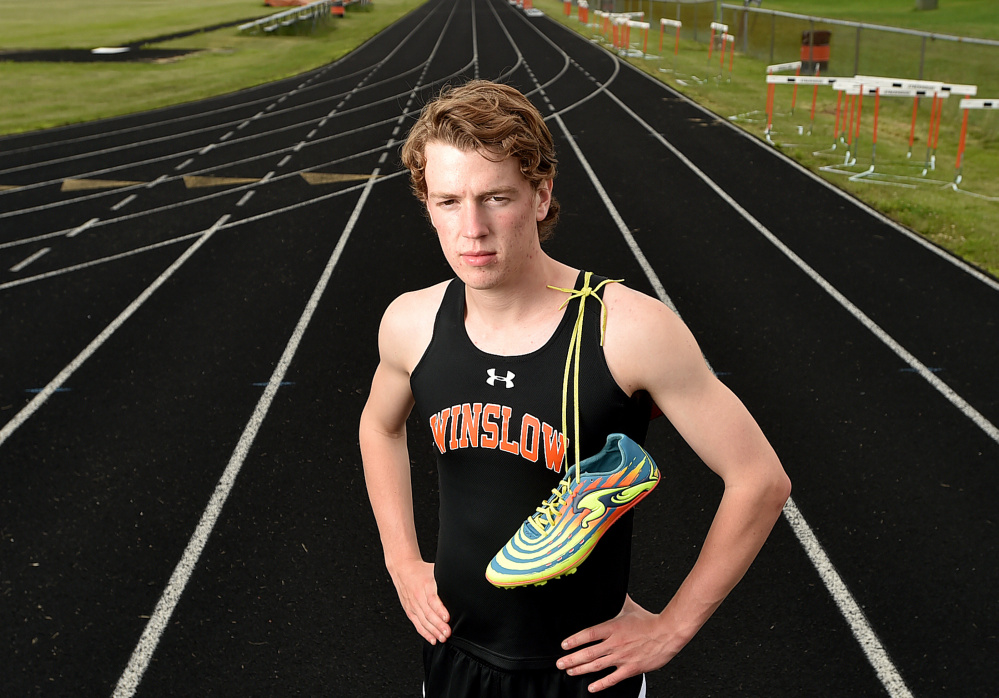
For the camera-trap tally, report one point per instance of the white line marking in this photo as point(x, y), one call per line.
point(158, 180)
point(206, 149)
point(21, 417)
point(848, 606)
point(37, 255)
point(299, 146)
point(143, 653)
point(970, 412)
point(861, 628)
point(184, 164)
point(124, 202)
point(242, 125)
point(311, 133)
point(628, 237)
point(227, 136)
point(267, 177)
point(284, 161)
point(76, 231)
point(867, 208)
point(95, 262)
point(246, 197)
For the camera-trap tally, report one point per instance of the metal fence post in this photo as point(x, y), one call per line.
point(922, 58)
point(773, 35)
point(856, 56)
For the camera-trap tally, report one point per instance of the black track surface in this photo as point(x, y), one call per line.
point(829, 322)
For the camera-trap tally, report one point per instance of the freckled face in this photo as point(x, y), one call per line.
point(485, 213)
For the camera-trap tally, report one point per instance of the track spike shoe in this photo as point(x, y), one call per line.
point(563, 531)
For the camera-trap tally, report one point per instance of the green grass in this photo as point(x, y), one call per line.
point(42, 95)
point(75, 24)
point(975, 18)
point(960, 222)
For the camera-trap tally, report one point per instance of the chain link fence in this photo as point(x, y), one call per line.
point(854, 48)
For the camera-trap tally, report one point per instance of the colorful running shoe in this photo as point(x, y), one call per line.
point(554, 541)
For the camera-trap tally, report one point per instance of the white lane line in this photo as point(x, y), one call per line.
point(36, 256)
point(853, 201)
point(95, 262)
point(21, 417)
point(861, 628)
point(124, 202)
point(284, 161)
point(227, 136)
point(143, 653)
point(246, 197)
point(206, 149)
point(970, 412)
point(184, 164)
point(848, 606)
point(79, 229)
point(158, 180)
point(643, 262)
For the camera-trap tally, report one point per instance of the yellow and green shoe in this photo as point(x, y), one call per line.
point(556, 539)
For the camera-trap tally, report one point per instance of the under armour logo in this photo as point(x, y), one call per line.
point(507, 379)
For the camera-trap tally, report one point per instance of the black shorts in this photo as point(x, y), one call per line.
point(451, 673)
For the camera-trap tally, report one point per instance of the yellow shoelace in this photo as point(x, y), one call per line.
point(549, 509)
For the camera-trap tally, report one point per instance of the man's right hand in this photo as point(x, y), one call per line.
point(417, 588)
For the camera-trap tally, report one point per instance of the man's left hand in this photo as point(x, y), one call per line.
point(632, 642)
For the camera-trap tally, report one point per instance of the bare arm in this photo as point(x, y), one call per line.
point(385, 454)
point(649, 348)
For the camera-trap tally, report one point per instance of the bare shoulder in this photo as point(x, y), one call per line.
point(647, 345)
point(408, 325)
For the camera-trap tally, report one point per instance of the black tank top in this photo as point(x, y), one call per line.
point(496, 423)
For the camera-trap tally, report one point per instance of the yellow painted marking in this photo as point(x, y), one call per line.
point(195, 182)
point(85, 184)
point(327, 178)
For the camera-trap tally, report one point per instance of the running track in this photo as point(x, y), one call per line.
point(183, 362)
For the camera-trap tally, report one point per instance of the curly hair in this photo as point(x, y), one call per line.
point(495, 120)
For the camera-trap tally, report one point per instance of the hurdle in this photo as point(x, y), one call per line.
point(614, 26)
point(716, 27)
point(966, 105)
point(726, 37)
point(939, 91)
point(771, 87)
point(644, 27)
point(663, 23)
point(815, 80)
point(583, 12)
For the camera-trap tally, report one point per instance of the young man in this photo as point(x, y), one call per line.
point(483, 358)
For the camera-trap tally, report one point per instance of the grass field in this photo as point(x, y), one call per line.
point(42, 95)
point(964, 221)
point(39, 95)
point(976, 18)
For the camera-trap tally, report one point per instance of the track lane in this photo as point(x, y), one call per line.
point(727, 283)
